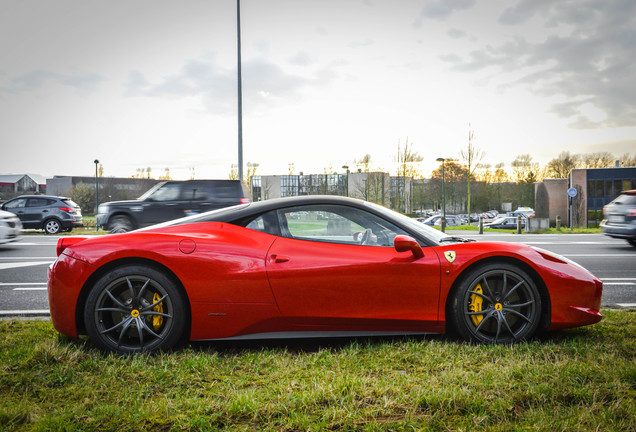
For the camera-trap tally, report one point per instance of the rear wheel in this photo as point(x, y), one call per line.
point(496, 303)
point(52, 226)
point(632, 242)
point(135, 309)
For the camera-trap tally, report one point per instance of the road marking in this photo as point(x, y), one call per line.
point(4, 266)
point(618, 283)
point(21, 283)
point(626, 304)
point(27, 258)
point(600, 255)
point(30, 289)
point(619, 279)
point(25, 312)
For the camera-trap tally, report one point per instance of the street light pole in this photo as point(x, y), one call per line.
point(346, 180)
point(240, 91)
point(442, 160)
point(96, 194)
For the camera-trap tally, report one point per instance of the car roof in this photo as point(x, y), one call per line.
point(41, 196)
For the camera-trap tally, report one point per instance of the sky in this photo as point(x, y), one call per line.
point(143, 84)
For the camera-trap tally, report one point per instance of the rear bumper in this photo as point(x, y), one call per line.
point(624, 231)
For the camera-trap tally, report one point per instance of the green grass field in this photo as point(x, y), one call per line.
point(576, 380)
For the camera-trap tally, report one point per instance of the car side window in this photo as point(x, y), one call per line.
point(167, 192)
point(337, 224)
point(18, 203)
point(37, 202)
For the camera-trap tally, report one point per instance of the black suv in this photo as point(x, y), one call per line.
point(167, 201)
point(620, 217)
point(53, 214)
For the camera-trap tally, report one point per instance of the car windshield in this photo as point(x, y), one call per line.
point(412, 224)
point(150, 191)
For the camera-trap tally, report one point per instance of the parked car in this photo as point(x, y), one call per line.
point(10, 227)
point(167, 201)
point(451, 220)
point(273, 269)
point(505, 222)
point(53, 214)
point(620, 217)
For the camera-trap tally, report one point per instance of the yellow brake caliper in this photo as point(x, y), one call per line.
point(475, 305)
point(156, 319)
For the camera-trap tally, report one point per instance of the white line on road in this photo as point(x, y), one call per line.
point(4, 266)
point(27, 258)
point(30, 289)
point(618, 283)
point(626, 304)
point(21, 283)
point(25, 312)
point(600, 255)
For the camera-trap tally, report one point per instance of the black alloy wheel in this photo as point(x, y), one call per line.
point(496, 303)
point(135, 309)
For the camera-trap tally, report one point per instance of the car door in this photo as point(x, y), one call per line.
point(37, 210)
point(335, 265)
point(18, 207)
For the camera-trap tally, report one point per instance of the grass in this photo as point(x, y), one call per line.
point(576, 380)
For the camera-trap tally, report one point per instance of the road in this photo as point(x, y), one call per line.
point(23, 267)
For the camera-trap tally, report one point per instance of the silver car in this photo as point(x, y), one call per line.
point(620, 217)
point(10, 227)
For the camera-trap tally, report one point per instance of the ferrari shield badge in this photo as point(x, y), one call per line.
point(450, 256)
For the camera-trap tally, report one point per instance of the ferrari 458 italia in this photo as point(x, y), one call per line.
point(308, 267)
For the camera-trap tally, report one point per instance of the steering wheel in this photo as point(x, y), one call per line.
point(367, 237)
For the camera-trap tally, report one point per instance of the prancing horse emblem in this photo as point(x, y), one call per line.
point(450, 256)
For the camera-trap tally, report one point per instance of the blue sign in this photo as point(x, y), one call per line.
point(572, 192)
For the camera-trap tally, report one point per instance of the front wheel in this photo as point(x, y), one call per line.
point(120, 224)
point(135, 309)
point(496, 303)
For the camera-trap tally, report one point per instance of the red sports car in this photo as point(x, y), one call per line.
point(305, 267)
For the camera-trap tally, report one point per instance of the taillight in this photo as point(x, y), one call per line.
point(67, 209)
point(244, 200)
point(66, 242)
point(631, 212)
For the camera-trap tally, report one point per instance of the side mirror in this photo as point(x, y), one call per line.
point(404, 243)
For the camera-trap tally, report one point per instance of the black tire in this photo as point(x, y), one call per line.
point(52, 226)
point(120, 224)
point(135, 308)
point(632, 242)
point(496, 303)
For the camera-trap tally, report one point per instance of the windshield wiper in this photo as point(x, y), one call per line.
point(456, 239)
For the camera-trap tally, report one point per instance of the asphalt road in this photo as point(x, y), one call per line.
point(23, 267)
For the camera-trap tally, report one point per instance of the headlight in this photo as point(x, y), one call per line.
point(103, 208)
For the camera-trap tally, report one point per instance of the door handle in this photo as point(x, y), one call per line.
point(277, 259)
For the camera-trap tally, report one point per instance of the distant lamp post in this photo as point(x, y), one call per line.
point(346, 180)
point(96, 194)
point(442, 160)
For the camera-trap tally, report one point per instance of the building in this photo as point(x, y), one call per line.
point(110, 188)
point(12, 185)
point(595, 187)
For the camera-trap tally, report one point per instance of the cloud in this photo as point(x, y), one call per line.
point(589, 65)
point(38, 79)
point(442, 9)
point(264, 84)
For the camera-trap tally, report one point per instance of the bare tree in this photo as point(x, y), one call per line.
point(598, 160)
point(627, 160)
point(561, 166)
point(407, 167)
point(471, 156)
point(363, 164)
